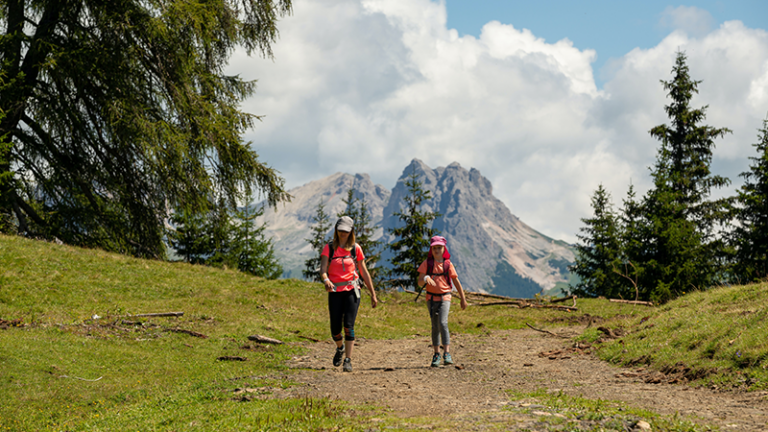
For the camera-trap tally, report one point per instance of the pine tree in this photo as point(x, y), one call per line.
point(350, 207)
point(189, 238)
point(750, 237)
point(372, 248)
point(222, 237)
point(320, 238)
point(220, 233)
point(253, 252)
point(598, 258)
point(631, 221)
point(682, 249)
point(412, 239)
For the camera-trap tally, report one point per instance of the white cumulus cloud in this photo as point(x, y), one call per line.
point(368, 85)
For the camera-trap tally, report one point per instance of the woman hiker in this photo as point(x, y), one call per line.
point(337, 270)
point(437, 273)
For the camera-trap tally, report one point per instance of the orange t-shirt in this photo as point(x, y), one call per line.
point(442, 286)
point(342, 268)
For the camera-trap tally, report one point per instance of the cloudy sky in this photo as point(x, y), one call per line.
point(547, 99)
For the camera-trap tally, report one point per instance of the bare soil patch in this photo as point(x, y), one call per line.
point(396, 374)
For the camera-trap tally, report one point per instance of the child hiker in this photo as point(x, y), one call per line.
point(337, 269)
point(437, 273)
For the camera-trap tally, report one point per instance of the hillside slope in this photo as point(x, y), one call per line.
point(76, 354)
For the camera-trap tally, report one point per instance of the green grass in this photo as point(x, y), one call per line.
point(569, 413)
point(63, 368)
point(715, 337)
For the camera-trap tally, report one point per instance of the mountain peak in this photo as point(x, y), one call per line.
point(493, 250)
point(500, 253)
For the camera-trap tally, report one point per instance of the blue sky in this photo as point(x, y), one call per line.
point(548, 100)
point(612, 28)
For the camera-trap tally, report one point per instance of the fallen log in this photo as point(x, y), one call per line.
point(637, 302)
point(496, 303)
point(264, 339)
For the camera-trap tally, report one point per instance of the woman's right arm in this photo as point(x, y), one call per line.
point(324, 273)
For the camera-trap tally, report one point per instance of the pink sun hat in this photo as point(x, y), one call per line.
point(437, 240)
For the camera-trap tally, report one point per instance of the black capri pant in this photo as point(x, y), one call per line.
point(342, 307)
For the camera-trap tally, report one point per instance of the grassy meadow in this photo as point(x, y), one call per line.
point(73, 355)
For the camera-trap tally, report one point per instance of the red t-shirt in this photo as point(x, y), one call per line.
point(442, 286)
point(342, 268)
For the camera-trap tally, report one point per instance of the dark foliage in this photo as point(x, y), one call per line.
point(119, 111)
point(750, 237)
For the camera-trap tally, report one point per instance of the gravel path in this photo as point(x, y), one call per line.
point(396, 374)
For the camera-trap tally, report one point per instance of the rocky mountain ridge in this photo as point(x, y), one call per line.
point(493, 250)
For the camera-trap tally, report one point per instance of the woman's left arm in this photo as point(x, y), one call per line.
point(367, 281)
point(461, 292)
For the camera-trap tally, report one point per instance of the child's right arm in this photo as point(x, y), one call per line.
point(425, 279)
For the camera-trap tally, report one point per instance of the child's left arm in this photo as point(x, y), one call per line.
point(457, 284)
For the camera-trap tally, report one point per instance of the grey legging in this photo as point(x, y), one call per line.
point(438, 312)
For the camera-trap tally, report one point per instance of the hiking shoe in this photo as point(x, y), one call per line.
point(436, 360)
point(347, 364)
point(447, 360)
point(337, 356)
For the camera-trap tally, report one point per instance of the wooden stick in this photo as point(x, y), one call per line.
point(548, 332)
point(560, 300)
point(309, 338)
point(515, 302)
point(162, 314)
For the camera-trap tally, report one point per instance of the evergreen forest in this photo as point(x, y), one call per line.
point(677, 238)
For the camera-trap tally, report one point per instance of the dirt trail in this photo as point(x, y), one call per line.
point(396, 374)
